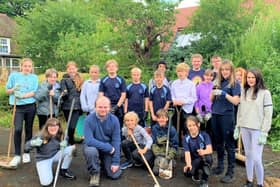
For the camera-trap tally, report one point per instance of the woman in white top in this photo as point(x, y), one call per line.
point(254, 121)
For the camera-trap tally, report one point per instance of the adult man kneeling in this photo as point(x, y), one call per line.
point(102, 142)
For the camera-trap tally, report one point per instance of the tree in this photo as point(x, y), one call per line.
point(17, 7)
point(94, 31)
point(42, 32)
point(220, 24)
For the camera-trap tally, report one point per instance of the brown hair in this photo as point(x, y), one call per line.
point(78, 80)
point(50, 71)
point(162, 113)
point(194, 119)
point(45, 133)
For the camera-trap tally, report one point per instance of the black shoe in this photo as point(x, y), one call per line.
point(259, 185)
point(218, 170)
point(248, 184)
point(228, 178)
point(156, 170)
point(67, 174)
point(207, 169)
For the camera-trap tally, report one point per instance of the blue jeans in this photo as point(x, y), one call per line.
point(44, 167)
point(93, 157)
point(223, 127)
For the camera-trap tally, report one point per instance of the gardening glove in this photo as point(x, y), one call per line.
point(18, 94)
point(145, 116)
point(37, 142)
point(63, 144)
point(199, 117)
point(161, 140)
point(236, 133)
point(207, 116)
point(17, 88)
point(262, 138)
point(114, 109)
point(218, 92)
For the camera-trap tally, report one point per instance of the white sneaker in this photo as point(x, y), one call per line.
point(15, 161)
point(26, 158)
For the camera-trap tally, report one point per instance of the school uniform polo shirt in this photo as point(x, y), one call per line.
point(192, 144)
point(136, 94)
point(220, 104)
point(159, 97)
point(112, 88)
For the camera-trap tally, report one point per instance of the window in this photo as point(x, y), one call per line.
point(5, 46)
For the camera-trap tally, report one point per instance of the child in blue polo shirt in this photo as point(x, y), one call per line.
point(198, 152)
point(225, 95)
point(137, 97)
point(113, 86)
point(160, 96)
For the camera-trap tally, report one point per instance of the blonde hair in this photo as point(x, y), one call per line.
point(158, 73)
point(71, 63)
point(183, 67)
point(111, 61)
point(138, 70)
point(22, 61)
point(130, 115)
point(51, 71)
point(243, 75)
point(94, 66)
point(226, 63)
point(197, 55)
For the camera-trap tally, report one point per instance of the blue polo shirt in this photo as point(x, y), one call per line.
point(220, 104)
point(112, 88)
point(159, 97)
point(136, 94)
point(192, 144)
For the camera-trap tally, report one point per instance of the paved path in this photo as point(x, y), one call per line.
point(26, 176)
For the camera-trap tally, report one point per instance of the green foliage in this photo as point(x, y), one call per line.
point(94, 31)
point(5, 109)
point(39, 33)
point(220, 24)
point(18, 7)
point(259, 48)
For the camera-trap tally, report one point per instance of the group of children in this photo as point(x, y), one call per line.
point(208, 94)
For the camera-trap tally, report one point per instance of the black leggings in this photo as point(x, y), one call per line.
point(24, 113)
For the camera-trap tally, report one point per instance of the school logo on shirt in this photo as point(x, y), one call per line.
point(196, 80)
point(117, 85)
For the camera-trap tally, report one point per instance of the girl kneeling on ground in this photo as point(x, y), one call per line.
point(198, 152)
point(50, 145)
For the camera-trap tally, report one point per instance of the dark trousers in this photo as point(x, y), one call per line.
point(182, 123)
point(223, 127)
point(198, 163)
point(73, 123)
point(42, 120)
point(208, 128)
point(95, 159)
point(24, 113)
point(131, 153)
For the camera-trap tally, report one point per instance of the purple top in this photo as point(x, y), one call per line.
point(203, 92)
